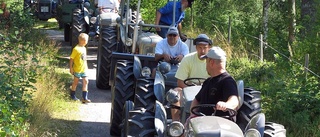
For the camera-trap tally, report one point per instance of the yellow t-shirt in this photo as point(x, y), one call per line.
point(79, 56)
point(192, 67)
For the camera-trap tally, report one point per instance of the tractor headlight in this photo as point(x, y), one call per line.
point(172, 96)
point(93, 20)
point(175, 129)
point(252, 133)
point(164, 67)
point(146, 72)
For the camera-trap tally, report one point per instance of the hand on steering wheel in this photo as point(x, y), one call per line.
point(190, 81)
point(232, 112)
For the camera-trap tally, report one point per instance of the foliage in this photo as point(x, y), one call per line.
point(19, 65)
point(290, 97)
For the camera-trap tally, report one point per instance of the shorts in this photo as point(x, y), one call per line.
point(80, 75)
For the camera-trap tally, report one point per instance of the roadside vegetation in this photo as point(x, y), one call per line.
point(33, 90)
point(34, 95)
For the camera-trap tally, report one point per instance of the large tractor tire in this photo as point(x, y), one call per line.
point(122, 91)
point(108, 44)
point(67, 32)
point(274, 130)
point(251, 106)
point(144, 94)
point(79, 25)
point(141, 123)
point(128, 106)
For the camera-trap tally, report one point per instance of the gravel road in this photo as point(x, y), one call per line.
point(95, 116)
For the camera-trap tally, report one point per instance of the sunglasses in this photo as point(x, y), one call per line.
point(172, 35)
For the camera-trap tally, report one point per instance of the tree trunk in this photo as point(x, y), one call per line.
point(292, 24)
point(266, 5)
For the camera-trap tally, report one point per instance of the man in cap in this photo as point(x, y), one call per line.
point(220, 88)
point(171, 48)
point(164, 15)
point(192, 66)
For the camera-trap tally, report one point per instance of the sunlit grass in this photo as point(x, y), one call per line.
point(53, 113)
point(50, 24)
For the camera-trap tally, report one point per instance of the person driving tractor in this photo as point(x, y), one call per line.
point(192, 66)
point(220, 88)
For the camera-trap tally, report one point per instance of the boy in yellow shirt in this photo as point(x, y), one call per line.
point(78, 67)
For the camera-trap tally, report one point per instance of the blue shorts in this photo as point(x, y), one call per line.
point(80, 75)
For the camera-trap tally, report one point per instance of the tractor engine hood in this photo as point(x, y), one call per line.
point(214, 126)
point(147, 42)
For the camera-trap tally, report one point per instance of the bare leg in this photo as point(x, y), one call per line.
point(74, 84)
point(85, 83)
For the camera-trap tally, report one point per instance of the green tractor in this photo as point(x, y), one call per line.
point(42, 9)
point(75, 17)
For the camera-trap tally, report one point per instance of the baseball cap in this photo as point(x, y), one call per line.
point(173, 30)
point(202, 39)
point(215, 53)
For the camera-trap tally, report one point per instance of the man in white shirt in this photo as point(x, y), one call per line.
point(171, 48)
point(106, 6)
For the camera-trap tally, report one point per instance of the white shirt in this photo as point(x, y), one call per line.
point(179, 49)
point(108, 5)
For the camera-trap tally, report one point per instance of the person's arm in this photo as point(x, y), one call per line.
point(232, 103)
point(180, 28)
point(194, 103)
point(181, 84)
point(71, 66)
point(158, 57)
point(164, 56)
point(158, 16)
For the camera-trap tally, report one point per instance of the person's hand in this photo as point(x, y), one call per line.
point(166, 57)
point(179, 58)
point(71, 71)
point(158, 29)
point(221, 106)
point(183, 37)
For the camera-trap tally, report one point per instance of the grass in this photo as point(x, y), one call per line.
point(50, 24)
point(53, 113)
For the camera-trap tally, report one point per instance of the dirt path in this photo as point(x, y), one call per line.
point(95, 116)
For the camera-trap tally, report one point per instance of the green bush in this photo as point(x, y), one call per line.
point(20, 55)
point(288, 96)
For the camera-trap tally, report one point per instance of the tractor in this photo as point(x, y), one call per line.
point(75, 17)
point(125, 55)
point(42, 9)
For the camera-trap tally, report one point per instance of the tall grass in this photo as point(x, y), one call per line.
point(51, 108)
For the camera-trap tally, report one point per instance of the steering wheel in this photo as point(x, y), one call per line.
point(190, 81)
point(232, 112)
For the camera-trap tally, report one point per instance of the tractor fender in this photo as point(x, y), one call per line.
point(137, 67)
point(108, 19)
point(160, 119)
point(159, 87)
point(86, 15)
point(257, 122)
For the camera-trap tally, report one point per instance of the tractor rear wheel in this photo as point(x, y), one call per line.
point(67, 32)
point(141, 123)
point(128, 106)
point(122, 91)
point(79, 25)
point(144, 94)
point(251, 106)
point(274, 130)
point(106, 47)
